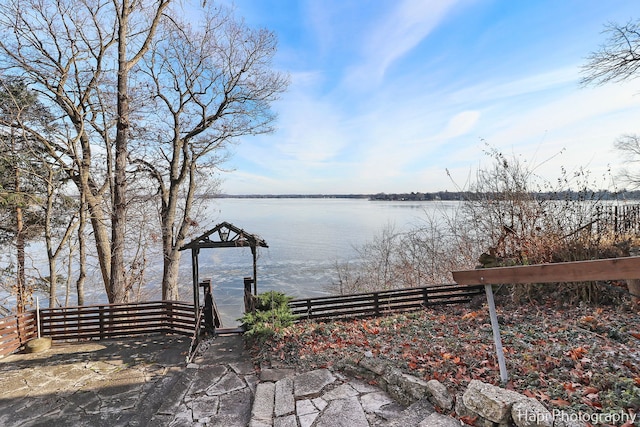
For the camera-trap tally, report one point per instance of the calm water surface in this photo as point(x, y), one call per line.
point(306, 238)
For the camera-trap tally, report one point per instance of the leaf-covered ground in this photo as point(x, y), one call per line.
point(583, 359)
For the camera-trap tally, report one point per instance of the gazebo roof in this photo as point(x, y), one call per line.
point(225, 235)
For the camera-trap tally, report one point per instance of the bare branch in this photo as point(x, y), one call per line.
point(618, 59)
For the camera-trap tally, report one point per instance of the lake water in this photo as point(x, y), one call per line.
point(306, 238)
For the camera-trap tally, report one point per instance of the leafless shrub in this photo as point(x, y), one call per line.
point(511, 216)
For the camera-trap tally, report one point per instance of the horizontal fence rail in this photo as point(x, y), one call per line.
point(97, 322)
point(117, 320)
point(626, 268)
point(561, 272)
point(16, 330)
point(383, 302)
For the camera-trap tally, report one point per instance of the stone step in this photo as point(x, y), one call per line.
point(411, 416)
point(321, 398)
point(229, 331)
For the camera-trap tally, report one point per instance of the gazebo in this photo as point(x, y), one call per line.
point(223, 235)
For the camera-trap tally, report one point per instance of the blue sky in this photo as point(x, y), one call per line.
point(387, 95)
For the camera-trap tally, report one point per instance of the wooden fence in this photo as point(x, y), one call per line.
point(619, 219)
point(383, 302)
point(15, 331)
point(116, 320)
point(97, 322)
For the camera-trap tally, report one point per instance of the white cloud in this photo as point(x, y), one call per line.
point(368, 132)
point(494, 89)
point(460, 124)
point(393, 36)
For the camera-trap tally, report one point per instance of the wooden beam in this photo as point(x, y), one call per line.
point(577, 271)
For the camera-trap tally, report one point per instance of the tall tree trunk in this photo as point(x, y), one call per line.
point(170, 276)
point(82, 251)
point(100, 229)
point(53, 282)
point(51, 256)
point(20, 278)
point(117, 283)
point(21, 291)
point(172, 240)
point(119, 210)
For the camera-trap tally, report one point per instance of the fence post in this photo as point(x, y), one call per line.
point(101, 317)
point(169, 314)
point(376, 303)
point(504, 376)
point(38, 316)
point(249, 297)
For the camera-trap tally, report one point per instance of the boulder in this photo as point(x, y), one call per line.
point(439, 420)
point(529, 412)
point(439, 395)
point(37, 345)
point(565, 419)
point(413, 387)
point(490, 402)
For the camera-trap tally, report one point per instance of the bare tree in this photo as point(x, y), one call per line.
point(629, 147)
point(41, 202)
point(19, 164)
point(136, 33)
point(209, 87)
point(68, 50)
point(131, 82)
point(618, 59)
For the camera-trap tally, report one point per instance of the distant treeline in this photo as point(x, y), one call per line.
point(288, 196)
point(469, 195)
point(441, 195)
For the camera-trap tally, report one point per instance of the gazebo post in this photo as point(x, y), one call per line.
point(196, 280)
point(255, 270)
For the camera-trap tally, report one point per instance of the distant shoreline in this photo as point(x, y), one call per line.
point(439, 196)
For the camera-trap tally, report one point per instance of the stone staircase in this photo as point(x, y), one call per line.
point(322, 398)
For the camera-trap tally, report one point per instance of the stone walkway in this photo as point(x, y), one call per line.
point(128, 382)
point(144, 382)
point(318, 398)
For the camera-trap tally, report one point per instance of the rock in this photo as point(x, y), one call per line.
point(263, 403)
point(440, 395)
point(565, 419)
point(305, 407)
point(38, 345)
point(439, 420)
point(310, 384)
point(398, 394)
point(490, 402)
point(284, 402)
point(413, 415)
point(343, 391)
point(274, 374)
point(413, 387)
point(372, 402)
point(529, 412)
point(343, 413)
point(288, 421)
point(374, 365)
